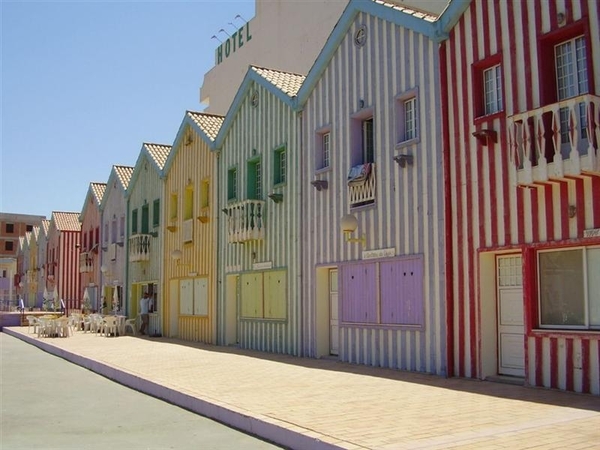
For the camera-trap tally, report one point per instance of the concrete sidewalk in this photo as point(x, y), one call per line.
point(324, 404)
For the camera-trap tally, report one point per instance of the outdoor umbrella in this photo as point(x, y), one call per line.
point(116, 298)
point(86, 300)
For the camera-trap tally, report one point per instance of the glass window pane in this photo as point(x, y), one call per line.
point(562, 299)
point(593, 267)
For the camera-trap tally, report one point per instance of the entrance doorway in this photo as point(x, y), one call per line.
point(511, 330)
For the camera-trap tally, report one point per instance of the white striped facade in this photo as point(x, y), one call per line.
point(506, 193)
point(64, 260)
point(256, 133)
point(394, 63)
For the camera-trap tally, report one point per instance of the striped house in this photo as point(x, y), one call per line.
point(259, 196)
point(145, 199)
point(113, 244)
point(36, 267)
point(191, 220)
point(43, 261)
point(89, 252)
point(522, 173)
point(64, 238)
point(373, 220)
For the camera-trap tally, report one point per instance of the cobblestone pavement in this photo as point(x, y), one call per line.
point(325, 404)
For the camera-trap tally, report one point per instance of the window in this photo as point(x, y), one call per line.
point(156, 213)
point(10, 228)
point(323, 150)
point(492, 89)
point(188, 203)
point(121, 228)
point(205, 193)
point(280, 166)
point(368, 141)
point(410, 119)
point(254, 187)
point(385, 292)
point(569, 288)
point(487, 86)
point(571, 81)
point(264, 295)
point(105, 237)
point(114, 230)
point(8, 246)
point(28, 227)
point(173, 207)
point(145, 219)
point(232, 183)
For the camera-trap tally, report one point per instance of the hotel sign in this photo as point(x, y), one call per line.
point(595, 232)
point(235, 42)
point(379, 253)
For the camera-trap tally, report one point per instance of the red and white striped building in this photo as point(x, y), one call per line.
point(62, 267)
point(520, 87)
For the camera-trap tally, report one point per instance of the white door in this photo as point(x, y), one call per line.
point(511, 331)
point(334, 322)
point(173, 307)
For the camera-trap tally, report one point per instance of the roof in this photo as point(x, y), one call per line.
point(46, 226)
point(395, 4)
point(287, 82)
point(158, 152)
point(123, 174)
point(36, 232)
point(210, 124)
point(66, 221)
point(283, 85)
point(97, 190)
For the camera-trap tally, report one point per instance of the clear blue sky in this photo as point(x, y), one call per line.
point(84, 84)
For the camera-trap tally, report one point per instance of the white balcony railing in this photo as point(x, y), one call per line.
point(188, 230)
point(362, 190)
point(245, 220)
point(556, 140)
point(139, 247)
point(86, 262)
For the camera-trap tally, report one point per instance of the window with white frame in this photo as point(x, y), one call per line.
point(492, 89)
point(410, 119)
point(232, 183)
point(569, 288)
point(279, 166)
point(571, 81)
point(323, 149)
point(368, 141)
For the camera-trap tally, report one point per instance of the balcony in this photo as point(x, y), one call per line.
point(556, 141)
point(86, 262)
point(139, 247)
point(245, 221)
point(362, 185)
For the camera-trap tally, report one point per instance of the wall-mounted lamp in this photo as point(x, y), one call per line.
point(320, 184)
point(348, 224)
point(572, 211)
point(404, 159)
point(277, 198)
point(226, 211)
point(485, 135)
point(153, 233)
point(176, 256)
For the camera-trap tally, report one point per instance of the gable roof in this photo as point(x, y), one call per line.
point(207, 126)
point(284, 85)
point(95, 192)
point(45, 227)
point(120, 174)
point(36, 232)
point(157, 154)
point(66, 221)
point(391, 11)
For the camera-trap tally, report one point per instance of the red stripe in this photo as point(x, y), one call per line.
point(554, 363)
point(485, 31)
point(516, 85)
point(459, 220)
point(448, 211)
point(527, 57)
point(569, 364)
point(580, 205)
point(548, 189)
point(596, 201)
point(564, 209)
point(553, 20)
point(539, 367)
point(480, 148)
point(585, 366)
point(520, 214)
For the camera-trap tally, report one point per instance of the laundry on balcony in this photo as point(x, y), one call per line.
point(359, 174)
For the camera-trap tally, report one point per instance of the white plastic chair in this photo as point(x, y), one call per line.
point(110, 325)
point(62, 327)
point(131, 324)
point(32, 322)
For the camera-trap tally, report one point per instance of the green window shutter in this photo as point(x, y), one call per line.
point(156, 213)
point(134, 221)
point(145, 218)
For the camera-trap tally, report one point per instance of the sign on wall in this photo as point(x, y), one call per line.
point(233, 43)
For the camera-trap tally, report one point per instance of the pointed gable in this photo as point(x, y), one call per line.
point(287, 82)
point(209, 124)
point(66, 221)
point(158, 153)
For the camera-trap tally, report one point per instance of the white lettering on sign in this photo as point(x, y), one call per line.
point(233, 269)
point(379, 253)
point(592, 233)
point(263, 265)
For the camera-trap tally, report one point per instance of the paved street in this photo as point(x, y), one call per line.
point(49, 403)
point(325, 404)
